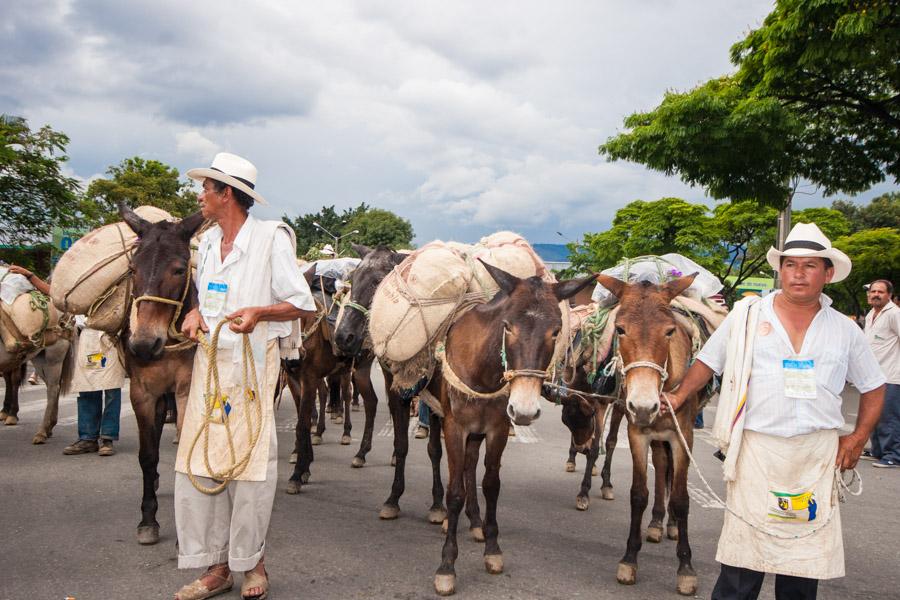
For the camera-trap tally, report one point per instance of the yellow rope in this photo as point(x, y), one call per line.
point(213, 396)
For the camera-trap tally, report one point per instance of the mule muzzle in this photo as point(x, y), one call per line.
point(147, 348)
point(524, 400)
point(347, 341)
point(642, 414)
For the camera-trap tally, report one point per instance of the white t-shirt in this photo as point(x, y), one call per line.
point(883, 334)
point(839, 353)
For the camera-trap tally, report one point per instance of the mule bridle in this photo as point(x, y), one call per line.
point(510, 374)
point(183, 342)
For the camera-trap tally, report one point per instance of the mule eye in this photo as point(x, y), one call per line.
point(619, 330)
point(670, 332)
point(179, 271)
point(556, 333)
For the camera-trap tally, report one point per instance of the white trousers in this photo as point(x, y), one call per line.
point(228, 527)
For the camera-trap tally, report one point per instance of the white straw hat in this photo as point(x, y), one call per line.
point(806, 239)
point(327, 250)
point(231, 169)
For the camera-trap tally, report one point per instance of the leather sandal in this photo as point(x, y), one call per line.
point(197, 590)
point(254, 580)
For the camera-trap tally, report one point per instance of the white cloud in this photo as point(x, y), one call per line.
point(195, 145)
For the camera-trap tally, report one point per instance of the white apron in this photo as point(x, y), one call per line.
point(97, 363)
point(785, 486)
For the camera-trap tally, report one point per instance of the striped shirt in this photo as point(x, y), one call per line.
point(839, 351)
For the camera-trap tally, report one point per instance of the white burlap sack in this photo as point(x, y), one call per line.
point(26, 319)
point(508, 251)
point(95, 262)
point(415, 300)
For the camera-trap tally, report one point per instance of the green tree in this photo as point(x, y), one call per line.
point(875, 254)
point(745, 230)
point(833, 223)
point(377, 226)
point(834, 63)
point(138, 182)
point(35, 195)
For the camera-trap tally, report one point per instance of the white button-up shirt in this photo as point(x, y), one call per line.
point(839, 351)
point(883, 333)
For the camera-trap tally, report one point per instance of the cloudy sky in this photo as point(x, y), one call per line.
point(464, 117)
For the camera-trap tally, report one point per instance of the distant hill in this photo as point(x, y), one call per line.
point(552, 252)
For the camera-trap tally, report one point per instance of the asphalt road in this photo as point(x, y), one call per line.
point(67, 523)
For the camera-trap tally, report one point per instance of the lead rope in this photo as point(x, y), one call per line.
point(213, 400)
point(841, 487)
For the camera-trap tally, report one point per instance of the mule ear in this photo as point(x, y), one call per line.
point(506, 281)
point(360, 249)
point(616, 286)
point(676, 286)
point(398, 257)
point(133, 220)
point(310, 274)
point(189, 225)
point(567, 289)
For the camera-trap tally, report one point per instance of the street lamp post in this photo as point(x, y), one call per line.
point(337, 238)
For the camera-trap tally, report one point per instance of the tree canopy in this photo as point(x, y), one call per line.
point(373, 226)
point(35, 194)
point(876, 255)
point(137, 182)
point(882, 211)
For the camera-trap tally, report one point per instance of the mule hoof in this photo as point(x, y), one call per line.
point(389, 512)
point(293, 487)
point(493, 563)
point(345, 440)
point(654, 535)
point(626, 574)
point(11, 420)
point(594, 471)
point(293, 458)
point(687, 585)
point(39, 438)
point(156, 484)
point(304, 477)
point(354, 407)
point(393, 461)
point(358, 462)
point(147, 535)
point(445, 585)
point(445, 527)
point(436, 516)
point(338, 420)
point(570, 467)
point(607, 494)
point(3, 415)
point(316, 440)
point(582, 502)
point(477, 534)
point(672, 532)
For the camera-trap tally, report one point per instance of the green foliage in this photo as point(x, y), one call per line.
point(736, 146)
point(834, 63)
point(374, 226)
point(34, 193)
point(833, 223)
point(875, 254)
point(746, 231)
point(882, 211)
point(137, 182)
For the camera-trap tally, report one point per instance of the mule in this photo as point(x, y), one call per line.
point(655, 352)
point(55, 363)
point(496, 358)
point(158, 359)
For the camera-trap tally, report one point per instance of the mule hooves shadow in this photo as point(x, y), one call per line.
point(337, 420)
point(654, 535)
point(316, 440)
point(293, 458)
point(389, 512)
point(607, 493)
point(626, 574)
point(354, 407)
point(687, 585)
point(147, 535)
point(477, 534)
point(582, 502)
point(393, 461)
point(293, 487)
point(445, 585)
point(11, 420)
point(39, 438)
point(493, 563)
point(346, 440)
point(570, 467)
point(358, 462)
point(594, 471)
point(672, 532)
point(436, 516)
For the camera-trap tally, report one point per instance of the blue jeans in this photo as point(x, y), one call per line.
point(886, 437)
point(99, 419)
point(424, 414)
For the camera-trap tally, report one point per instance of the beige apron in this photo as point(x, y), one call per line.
point(780, 484)
point(219, 453)
point(97, 363)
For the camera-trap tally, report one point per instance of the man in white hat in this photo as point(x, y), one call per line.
point(883, 333)
point(327, 250)
point(779, 420)
point(247, 274)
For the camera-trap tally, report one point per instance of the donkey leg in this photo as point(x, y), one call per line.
point(400, 417)
point(437, 513)
point(49, 364)
point(362, 382)
point(13, 379)
point(627, 571)
point(583, 500)
point(470, 470)
point(680, 506)
point(570, 462)
point(660, 489)
point(144, 406)
point(345, 401)
point(455, 442)
point(334, 399)
point(496, 443)
point(305, 391)
point(606, 487)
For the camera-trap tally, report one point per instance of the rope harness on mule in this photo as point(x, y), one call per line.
point(183, 341)
point(216, 401)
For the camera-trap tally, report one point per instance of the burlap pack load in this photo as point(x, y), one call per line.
point(416, 299)
point(92, 277)
point(24, 323)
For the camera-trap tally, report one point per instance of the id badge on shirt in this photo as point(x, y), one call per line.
point(799, 378)
point(95, 361)
point(214, 299)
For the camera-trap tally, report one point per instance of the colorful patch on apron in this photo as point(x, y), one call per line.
point(785, 507)
point(96, 361)
point(221, 408)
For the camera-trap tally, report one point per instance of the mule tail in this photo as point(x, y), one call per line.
point(68, 371)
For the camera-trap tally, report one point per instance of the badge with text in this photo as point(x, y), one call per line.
point(799, 378)
point(214, 299)
point(792, 507)
point(96, 361)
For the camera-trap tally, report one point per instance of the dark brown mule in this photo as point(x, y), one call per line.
point(317, 362)
point(350, 335)
point(655, 352)
point(161, 267)
point(511, 339)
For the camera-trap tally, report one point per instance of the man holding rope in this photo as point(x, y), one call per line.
point(249, 288)
point(784, 361)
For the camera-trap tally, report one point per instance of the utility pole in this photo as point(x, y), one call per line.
point(784, 227)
